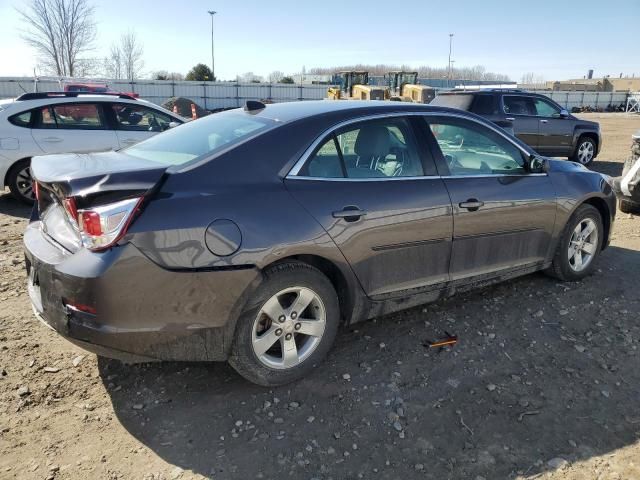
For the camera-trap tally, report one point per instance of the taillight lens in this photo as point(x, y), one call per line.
point(101, 227)
point(72, 210)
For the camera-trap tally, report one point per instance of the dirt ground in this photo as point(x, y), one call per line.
point(544, 383)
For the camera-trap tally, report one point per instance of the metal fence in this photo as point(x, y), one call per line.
point(215, 95)
point(208, 95)
point(570, 100)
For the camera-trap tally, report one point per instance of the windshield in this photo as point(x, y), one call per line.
point(460, 101)
point(198, 139)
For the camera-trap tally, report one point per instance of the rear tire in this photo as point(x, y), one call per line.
point(577, 252)
point(585, 151)
point(20, 183)
point(274, 343)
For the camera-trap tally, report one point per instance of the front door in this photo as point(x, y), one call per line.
point(504, 216)
point(555, 132)
point(376, 194)
point(73, 128)
point(520, 110)
point(135, 123)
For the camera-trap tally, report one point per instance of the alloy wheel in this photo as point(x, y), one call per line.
point(24, 183)
point(585, 153)
point(583, 245)
point(288, 328)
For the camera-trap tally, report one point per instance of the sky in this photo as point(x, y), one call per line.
point(554, 39)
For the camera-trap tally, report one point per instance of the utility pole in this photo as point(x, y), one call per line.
point(450, 46)
point(213, 64)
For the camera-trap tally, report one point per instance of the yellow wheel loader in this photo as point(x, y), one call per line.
point(354, 86)
point(404, 87)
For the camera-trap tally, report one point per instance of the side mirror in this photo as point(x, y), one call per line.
point(173, 124)
point(564, 113)
point(537, 164)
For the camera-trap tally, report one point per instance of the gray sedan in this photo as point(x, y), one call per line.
point(251, 235)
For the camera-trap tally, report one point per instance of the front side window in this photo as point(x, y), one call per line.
point(372, 149)
point(546, 109)
point(472, 149)
point(139, 118)
point(517, 105)
point(76, 116)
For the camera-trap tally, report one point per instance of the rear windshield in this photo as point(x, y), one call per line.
point(460, 101)
point(204, 137)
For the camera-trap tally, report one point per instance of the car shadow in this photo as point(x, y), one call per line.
point(542, 370)
point(12, 207)
point(613, 169)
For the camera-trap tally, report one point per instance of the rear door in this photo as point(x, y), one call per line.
point(556, 132)
point(377, 195)
point(504, 216)
point(135, 123)
point(520, 110)
point(78, 127)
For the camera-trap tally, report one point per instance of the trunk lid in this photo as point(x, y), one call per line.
point(90, 180)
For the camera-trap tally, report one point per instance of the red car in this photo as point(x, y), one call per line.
point(95, 88)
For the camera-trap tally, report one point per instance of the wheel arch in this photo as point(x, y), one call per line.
point(601, 205)
point(11, 167)
point(346, 296)
point(580, 133)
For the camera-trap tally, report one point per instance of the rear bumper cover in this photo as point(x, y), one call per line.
point(143, 312)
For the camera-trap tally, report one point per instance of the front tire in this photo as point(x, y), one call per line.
point(20, 183)
point(579, 246)
point(288, 328)
point(585, 151)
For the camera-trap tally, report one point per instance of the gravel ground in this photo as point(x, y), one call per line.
point(544, 383)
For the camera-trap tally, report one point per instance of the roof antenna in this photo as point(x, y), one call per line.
point(254, 106)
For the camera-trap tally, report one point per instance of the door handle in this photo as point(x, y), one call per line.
point(130, 140)
point(510, 119)
point(544, 121)
point(52, 139)
point(473, 205)
point(350, 213)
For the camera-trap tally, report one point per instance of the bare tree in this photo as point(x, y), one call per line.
point(113, 63)
point(275, 76)
point(60, 31)
point(131, 50)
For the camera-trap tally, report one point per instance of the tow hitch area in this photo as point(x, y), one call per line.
point(448, 341)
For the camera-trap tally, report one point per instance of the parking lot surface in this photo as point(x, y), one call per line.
point(544, 383)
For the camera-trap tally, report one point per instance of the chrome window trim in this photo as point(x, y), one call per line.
point(425, 177)
point(295, 170)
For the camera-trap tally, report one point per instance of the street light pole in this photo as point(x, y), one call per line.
point(213, 65)
point(450, 46)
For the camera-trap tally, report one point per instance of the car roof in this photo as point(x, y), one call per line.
point(15, 105)
point(291, 111)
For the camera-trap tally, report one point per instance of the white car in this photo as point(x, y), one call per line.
point(70, 122)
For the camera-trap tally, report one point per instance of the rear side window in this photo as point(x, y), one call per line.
point(138, 118)
point(484, 105)
point(517, 105)
point(22, 119)
point(372, 149)
point(78, 116)
point(460, 101)
point(199, 139)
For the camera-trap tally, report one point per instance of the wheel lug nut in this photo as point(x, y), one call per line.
point(298, 326)
point(288, 336)
point(281, 318)
point(279, 332)
point(294, 315)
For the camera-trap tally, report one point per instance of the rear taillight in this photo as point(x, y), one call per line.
point(101, 227)
point(72, 210)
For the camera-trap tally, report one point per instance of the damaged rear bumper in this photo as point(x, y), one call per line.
point(119, 304)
